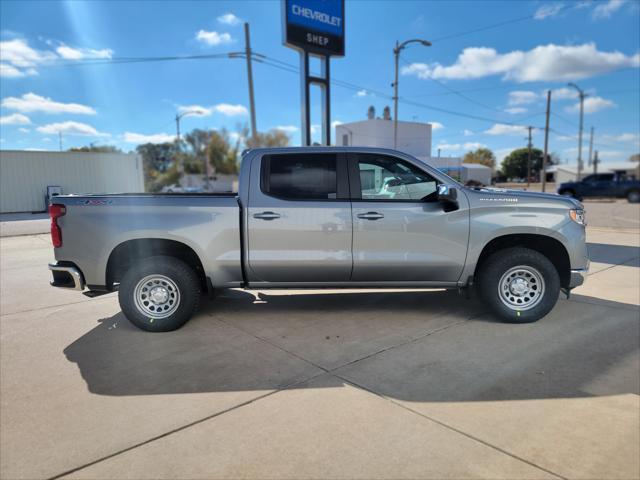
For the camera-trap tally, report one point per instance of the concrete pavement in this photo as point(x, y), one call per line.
point(321, 384)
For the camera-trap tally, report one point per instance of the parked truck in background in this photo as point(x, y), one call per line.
point(340, 217)
point(612, 185)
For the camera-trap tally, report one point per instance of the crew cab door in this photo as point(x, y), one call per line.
point(600, 185)
point(299, 219)
point(401, 232)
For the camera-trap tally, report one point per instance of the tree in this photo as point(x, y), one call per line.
point(272, 138)
point(514, 165)
point(158, 159)
point(483, 156)
point(96, 148)
point(223, 156)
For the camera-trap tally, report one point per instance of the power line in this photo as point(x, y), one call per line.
point(495, 25)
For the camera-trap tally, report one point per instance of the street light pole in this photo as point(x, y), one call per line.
point(582, 96)
point(396, 52)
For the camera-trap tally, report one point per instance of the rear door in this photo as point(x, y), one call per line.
point(299, 219)
point(401, 232)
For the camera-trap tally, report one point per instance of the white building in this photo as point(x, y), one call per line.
point(25, 176)
point(414, 138)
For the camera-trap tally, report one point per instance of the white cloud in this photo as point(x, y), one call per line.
point(436, 126)
point(30, 102)
point(229, 19)
point(501, 153)
point(542, 63)
point(591, 105)
point(315, 128)
point(515, 110)
point(18, 53)
point(468, 133)
point(549, 10)
point(195, 110)
point(335, 123)
point(130, 137)
point(231, 110)
point(522, 97)
point(213, 38)
point(20, 59)
point(564, 93)
point(24, 130)
point(605, 10)
point(69, 53)
point(461, 146)
point(361, 93)
point(71, 128)
point(502, 129)
point(15, 119)
point(9, 71)
point(624, 137)
point(288, 128)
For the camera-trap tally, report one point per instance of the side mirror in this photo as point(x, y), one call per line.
point(447, 193)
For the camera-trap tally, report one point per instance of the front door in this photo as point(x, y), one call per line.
point(299, 219)
point(401, 232)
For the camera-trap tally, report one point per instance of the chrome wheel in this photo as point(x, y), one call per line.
point(156, 296)
point(521, 287)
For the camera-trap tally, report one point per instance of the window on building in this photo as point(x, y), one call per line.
point(300, 176)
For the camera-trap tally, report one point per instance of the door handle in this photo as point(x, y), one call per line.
point(370, 216)
point(266, 215)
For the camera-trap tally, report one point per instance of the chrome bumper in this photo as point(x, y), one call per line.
point(578, 277)
point(66, 277)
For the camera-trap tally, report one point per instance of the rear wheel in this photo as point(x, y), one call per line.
point(159, 294)
point(519, 284)
point(633, 196)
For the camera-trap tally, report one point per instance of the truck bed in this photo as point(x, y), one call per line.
point(95, 225)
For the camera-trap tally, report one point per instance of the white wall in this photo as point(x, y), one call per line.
point(413, 138)
point(24, 176)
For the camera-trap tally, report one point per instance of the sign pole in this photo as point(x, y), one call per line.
point(326, 97)
point(305, 107)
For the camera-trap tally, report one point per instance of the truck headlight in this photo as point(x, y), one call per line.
point(578, 216)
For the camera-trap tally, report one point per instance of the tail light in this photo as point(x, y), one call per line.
point(56, 211)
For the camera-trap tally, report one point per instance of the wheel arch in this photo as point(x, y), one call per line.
point(125, 254)
point(548, 246)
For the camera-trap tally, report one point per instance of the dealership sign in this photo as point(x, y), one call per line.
point(315, 26)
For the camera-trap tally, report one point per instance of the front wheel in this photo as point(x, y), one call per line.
point(519, 284)
point(159, 294)
point(633, 196)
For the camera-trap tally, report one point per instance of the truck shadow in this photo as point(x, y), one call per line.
point(614, 254)
point(411, 345)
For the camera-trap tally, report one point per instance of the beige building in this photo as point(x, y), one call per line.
point(25, 176)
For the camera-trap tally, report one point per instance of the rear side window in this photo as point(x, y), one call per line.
point(300, 176)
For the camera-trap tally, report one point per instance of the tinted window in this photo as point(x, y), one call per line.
point(388, 178)
point(605, 177)
point(300, 177)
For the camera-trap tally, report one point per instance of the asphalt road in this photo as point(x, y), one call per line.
point(321, 384)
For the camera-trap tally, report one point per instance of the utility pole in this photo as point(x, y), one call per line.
point(396, 52)
point(529, 145)
point(252, 105)
point(546, 143)
point(180, 165)
point(595, 163)
point(582, 96)
point(590, 146)
point(60, 139)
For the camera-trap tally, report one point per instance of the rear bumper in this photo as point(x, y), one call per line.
point(578, 277)
point(66, 276)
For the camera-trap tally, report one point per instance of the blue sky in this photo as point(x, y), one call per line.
point(481, 87)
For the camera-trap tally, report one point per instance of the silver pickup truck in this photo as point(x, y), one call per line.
point(320, 217)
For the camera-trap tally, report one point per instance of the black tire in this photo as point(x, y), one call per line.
point(568, 193)
point(633, 196)
point(178, 273)
point(501, 262)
